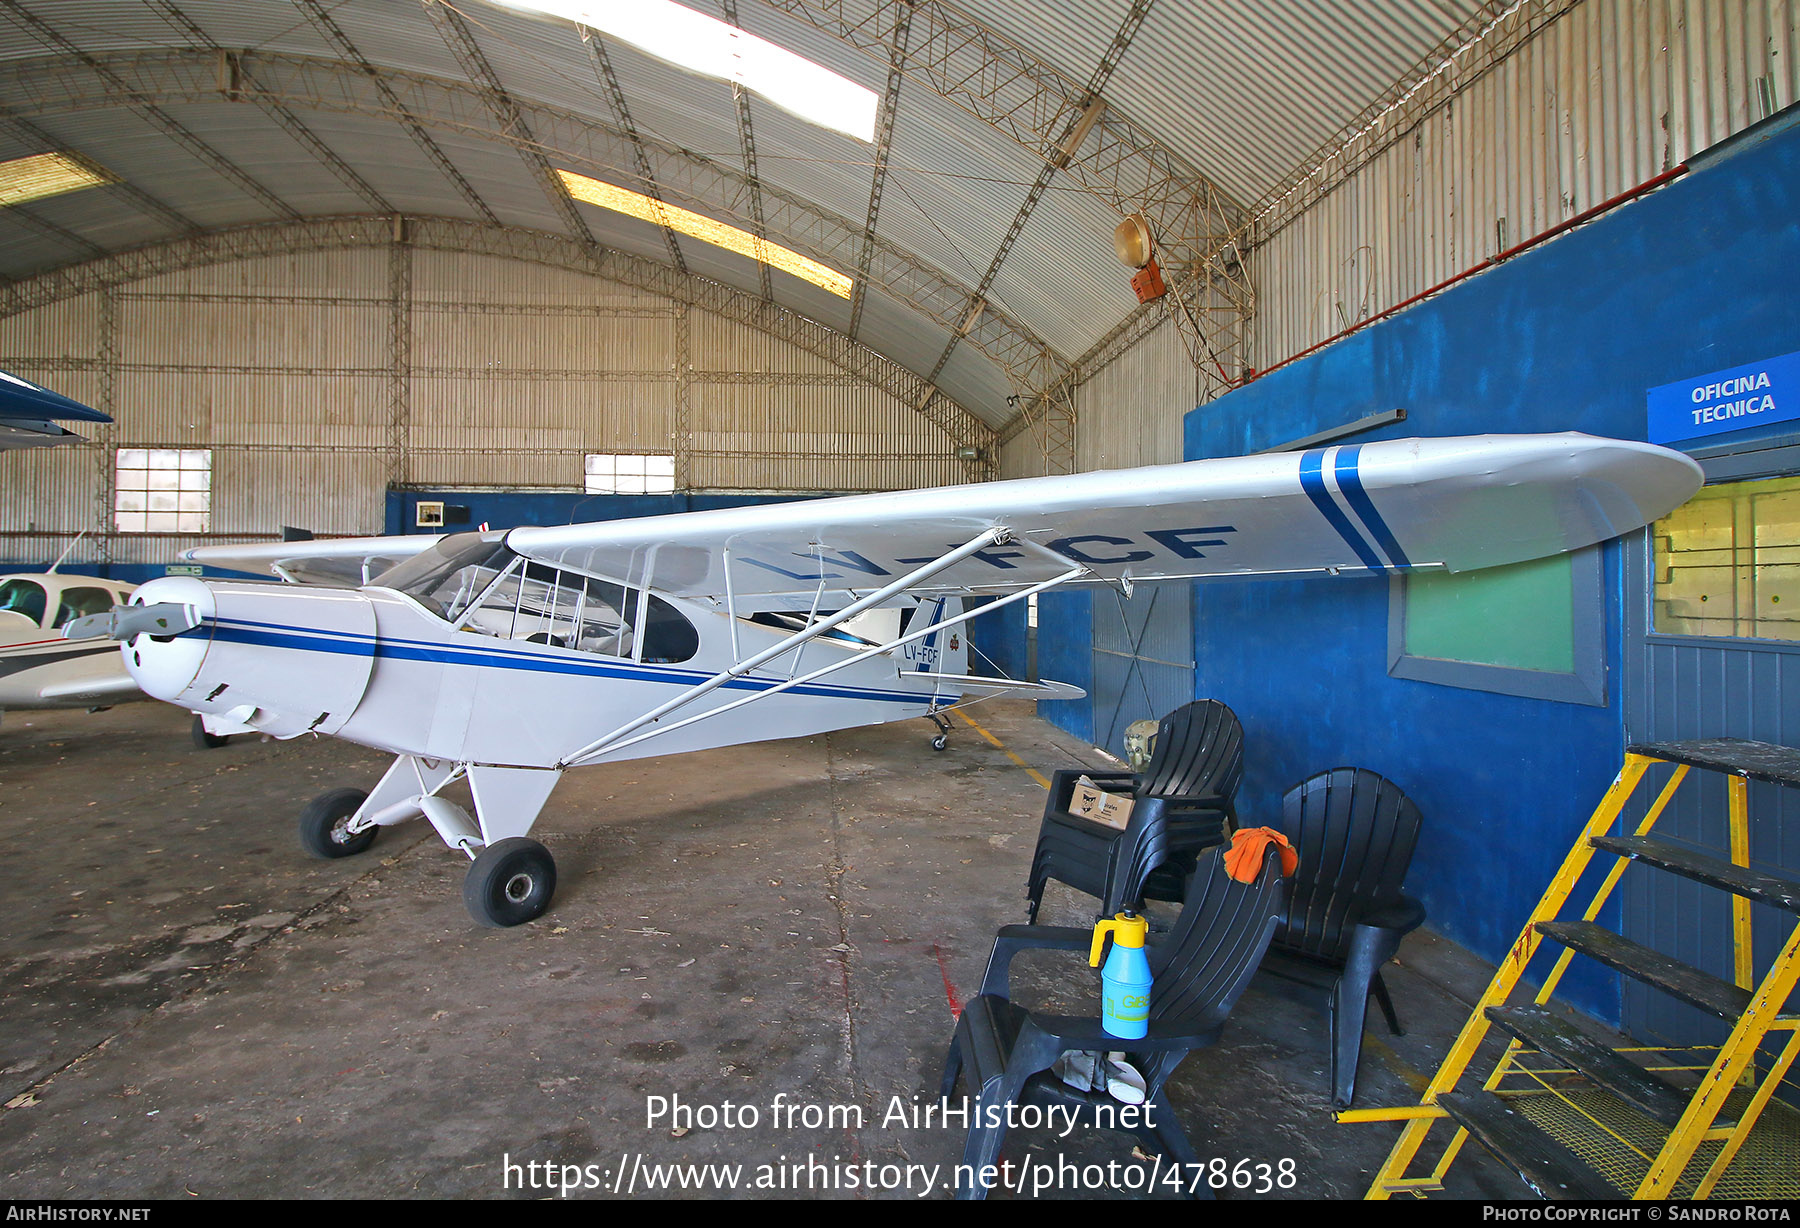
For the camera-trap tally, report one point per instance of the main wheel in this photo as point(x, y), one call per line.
point(205, 740)
point(510, 883)
point(325, 825)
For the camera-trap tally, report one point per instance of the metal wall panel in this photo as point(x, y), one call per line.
point(1143, 658)
point(1130, 412)
point(48, 490)
point(285, 368)
point(1612, 94)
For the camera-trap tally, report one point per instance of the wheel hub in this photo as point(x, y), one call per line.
point(518, 888)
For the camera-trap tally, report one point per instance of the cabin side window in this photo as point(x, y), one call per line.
point(475, 583)
point(24, 597)
point(544, 605)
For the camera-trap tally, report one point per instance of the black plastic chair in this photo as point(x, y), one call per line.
point(1199, 969)
point(1354, 831)
point(1182, 803)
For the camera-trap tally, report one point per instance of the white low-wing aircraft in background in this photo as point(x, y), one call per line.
point(38, 667)
point(507, 657)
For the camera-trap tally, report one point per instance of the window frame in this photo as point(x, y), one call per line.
point(1584, 684)
point(1775, 456)
point(119, 488)
point(644, 477)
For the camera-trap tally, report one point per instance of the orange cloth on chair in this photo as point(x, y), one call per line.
point(1243, 860)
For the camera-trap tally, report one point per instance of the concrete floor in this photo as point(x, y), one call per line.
point(189, 1006)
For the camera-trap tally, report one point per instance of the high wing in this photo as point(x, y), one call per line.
point(1452, 504)
point(338, 561)
point(29, 413)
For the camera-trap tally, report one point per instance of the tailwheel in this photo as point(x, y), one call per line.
point(943, 735)
point(325, 825)
point(510, 883)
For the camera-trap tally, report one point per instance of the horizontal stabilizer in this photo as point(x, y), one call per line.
point(967, 683)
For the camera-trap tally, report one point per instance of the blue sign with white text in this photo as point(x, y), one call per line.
point(1733, 400)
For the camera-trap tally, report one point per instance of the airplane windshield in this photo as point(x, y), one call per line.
point(23, 597)
point(445, 578)
point(474, 582)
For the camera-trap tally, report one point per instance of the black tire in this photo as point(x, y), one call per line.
point(939, 742)
point(510, 883)
point(322, 825)
point(205, 740)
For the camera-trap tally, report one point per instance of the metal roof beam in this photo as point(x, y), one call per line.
point(28, 133)
point(603, 65)
point(322, 21)
point(232, 73)
point(961, 426)
point(159, 118)
point(1030, 102)
point(1061, 153)
point(747, 145)
point(884, 144)
point(56, 86)
point(461, 41)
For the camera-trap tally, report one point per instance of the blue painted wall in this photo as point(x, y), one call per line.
point(1697, 277)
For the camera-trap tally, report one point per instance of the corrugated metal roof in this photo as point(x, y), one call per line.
point(1245, 91)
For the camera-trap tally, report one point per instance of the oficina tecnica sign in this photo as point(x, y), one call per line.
point(1733, 400)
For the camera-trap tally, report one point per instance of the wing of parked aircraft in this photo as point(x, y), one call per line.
point(29, 414)
point(339, 561)
point(1452, 504)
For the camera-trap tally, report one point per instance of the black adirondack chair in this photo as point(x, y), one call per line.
point(1182, 803)
point(1198, 971)
point(1355, 831)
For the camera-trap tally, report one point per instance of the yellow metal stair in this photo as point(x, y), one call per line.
point(1578, 1117)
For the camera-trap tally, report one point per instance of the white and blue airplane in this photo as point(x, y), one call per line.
point(507, 658)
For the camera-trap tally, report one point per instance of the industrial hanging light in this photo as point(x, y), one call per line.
point(1131, 240)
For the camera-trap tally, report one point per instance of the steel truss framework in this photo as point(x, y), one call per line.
point(59, 85)
point(401, 236)
point(1197, 226)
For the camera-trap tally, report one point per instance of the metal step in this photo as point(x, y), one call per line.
point(1624, 1078)
point(1544, 1164)
point(1671, 976)
point(1713, 871)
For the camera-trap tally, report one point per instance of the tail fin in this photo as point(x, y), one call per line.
point(944, 651)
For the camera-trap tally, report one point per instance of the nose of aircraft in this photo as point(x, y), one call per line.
point(165, 666)
point(286, 660)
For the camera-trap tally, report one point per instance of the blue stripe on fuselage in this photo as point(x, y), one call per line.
point(274, 635)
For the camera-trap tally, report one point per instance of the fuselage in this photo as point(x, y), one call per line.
point(479, 657)
point(35, 659)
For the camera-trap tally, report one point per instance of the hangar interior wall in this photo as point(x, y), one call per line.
point(1567, 337)
point(320, 379)
point(1602, 99)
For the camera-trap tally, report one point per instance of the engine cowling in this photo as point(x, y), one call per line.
point(281, 659)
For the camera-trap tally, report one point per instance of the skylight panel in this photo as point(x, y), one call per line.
point(707, 45)
point(47, 174)
point(706, 229)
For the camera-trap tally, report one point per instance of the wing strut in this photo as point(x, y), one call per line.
point(614, 740)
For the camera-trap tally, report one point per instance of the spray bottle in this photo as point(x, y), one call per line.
point(1125, 981)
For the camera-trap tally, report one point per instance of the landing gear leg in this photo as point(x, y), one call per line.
point(943, 723)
